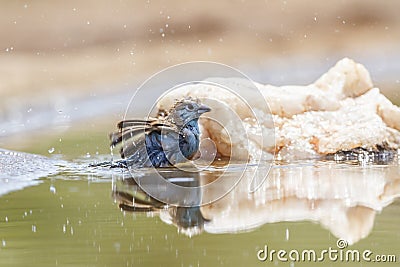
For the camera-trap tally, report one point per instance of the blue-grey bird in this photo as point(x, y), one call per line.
point(160, 142)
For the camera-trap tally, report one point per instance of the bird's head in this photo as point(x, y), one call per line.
point(186, 110)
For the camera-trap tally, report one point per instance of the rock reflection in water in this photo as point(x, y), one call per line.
point(342, 198)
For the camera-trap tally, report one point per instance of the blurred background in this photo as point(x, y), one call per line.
point(73, 66)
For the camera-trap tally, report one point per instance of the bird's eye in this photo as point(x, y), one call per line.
point(190, 107)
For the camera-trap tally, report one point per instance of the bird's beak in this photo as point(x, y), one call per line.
point(203, 109)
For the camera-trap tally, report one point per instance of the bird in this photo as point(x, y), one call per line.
point(171, 138)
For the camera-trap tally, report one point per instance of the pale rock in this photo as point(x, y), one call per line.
point(340, 111)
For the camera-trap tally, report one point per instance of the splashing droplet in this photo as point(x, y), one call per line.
point(53, 189)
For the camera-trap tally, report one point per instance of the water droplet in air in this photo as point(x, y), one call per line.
point(33, 228)
point(51, 150)
point(53, 189)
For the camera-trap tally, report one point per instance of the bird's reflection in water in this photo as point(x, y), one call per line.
point(342, 198)
point(132, 198)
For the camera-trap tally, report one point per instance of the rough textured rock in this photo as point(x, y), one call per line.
point(340, 111)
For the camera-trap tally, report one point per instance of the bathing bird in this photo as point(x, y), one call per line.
point(170, 139)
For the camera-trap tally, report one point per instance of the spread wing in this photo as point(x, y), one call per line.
point(128, 129)
point(131, 134)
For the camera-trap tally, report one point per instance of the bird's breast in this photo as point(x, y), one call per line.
point(188, 143)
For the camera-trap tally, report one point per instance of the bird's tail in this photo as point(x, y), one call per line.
point(110, 164)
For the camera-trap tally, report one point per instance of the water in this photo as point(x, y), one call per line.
point(57, 212)
point(74, 217)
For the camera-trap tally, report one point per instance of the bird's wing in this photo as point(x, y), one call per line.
point(128, 129)
point(132, 135)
